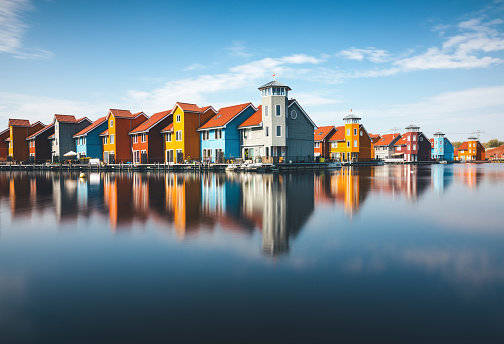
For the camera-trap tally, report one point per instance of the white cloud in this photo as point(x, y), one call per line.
point(372, 54)
point(238, 49)
point(195, 66)
point(12, 29)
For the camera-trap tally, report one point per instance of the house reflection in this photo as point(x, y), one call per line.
point(442, 178)
point(470, 174)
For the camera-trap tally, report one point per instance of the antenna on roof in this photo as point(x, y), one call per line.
point(395, 129)
point(478, 132)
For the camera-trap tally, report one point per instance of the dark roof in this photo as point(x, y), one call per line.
point(274, 83)
point(351, 116)
point(412, 126)
point(47, 127)
point(65, 118)
point(19, 122)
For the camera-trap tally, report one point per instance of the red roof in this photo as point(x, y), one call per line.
point(225, 115)
point(51, 136)
point(431, 142)
point(91, 127)
point(40, 131)
point(386, 139)
point(19, 122)
point(65, 118)
point(339, 135)
point(121, 113)
point(463, 146)
point(154, 119)
point(401, 142)
point(168, 128)
point(254, 119)
point(105, 133)
point(190, 107)
point(321, 133)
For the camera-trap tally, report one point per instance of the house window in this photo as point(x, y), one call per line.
point(414, 146)
point(144, 137)
point(218, 134)
point(178, 135)
point(293, 114)
point(112, 139)
point(168, 137)
point(135, 138)
point(267, 131)
point(278, 130)
point(414, 137)
point(334, 145)
point(399, 148)
point(266, 114)
point(421, 138)
point(355, 143)
point(278, 110)
point(84, 140)
point(348, 143)
point(204, 135)
point(408, 138)
point(286, 132)
point(355, 131)
point(179, 118)
point(317, 144)
point(111, 123)
point(348, 132)
point(409, 147)
point(105, 140)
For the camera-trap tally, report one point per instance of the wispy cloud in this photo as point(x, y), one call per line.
point(195, 66)
point(12, 29)
point(239, 49)
point(371, 54)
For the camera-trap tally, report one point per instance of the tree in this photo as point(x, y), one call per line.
point(493, 143)
point(456, 144)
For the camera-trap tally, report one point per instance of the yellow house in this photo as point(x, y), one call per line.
point(351, 142)
point(182, 140)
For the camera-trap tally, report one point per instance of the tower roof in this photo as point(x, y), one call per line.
point(351, 116)
point(438, 133)
point(274, 83)
point(412, 126)
point(472, 138)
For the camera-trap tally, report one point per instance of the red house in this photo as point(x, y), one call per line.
point(147, 139)
point(39, 145)
point(4, 144)
point(413, 145)
point(321, 138)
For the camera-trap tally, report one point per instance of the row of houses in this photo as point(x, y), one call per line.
point(277, 130)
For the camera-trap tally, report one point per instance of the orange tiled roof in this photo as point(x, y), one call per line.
point(431, 142)
point(65, 118)
point(463, 146)
point(189, 107)
point(19, 122)
point(121, 113)
point(254, 119)
point(91, 126)
point(51, 137)
point(339, 135)
point(321, 133)
point(225, 115)
point(148, 124)
point(105, 133)
point(401, 142)
point(168, 128)
point(386, 139)
point(40, 131)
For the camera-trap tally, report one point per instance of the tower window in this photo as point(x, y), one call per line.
point(278, 110)
point(279, 131)
point(266, 114)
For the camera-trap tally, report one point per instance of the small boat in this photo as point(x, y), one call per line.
point(232, 167)
point(443, 162)
point(335, 164)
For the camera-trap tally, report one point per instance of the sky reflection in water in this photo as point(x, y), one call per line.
point(391, 253)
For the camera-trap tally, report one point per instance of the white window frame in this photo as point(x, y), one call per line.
point(266, 114)
point(355, 143)
point(168, 137)
point(111, 139)
point(267, 131)
point(348, 132)
point(143, 137)
point(135, 138)
point(278, 128)
point(317, 144)
point(178, 118)
point(178, 135)
point(111, 123)
point(105, 140)
point(278, 110)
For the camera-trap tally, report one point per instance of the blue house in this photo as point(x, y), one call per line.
point(442, 148)
point(88, 140)
point(219, 137)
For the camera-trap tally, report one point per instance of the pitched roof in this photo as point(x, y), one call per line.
point(189, 107)
point(321, 133)
point(90, 127)
point(51, 137)
point(463, 146)
point(47, 127)
point(274, 83)
point(4, 131)
point(225, 115)
point(292, 101)
point(152, 121)
point(401, 142)
point(65, 118)
point(339, 135)
point(254, 120)
point(386, 139)
point(18, 122)
point(431, 142)
point(121, 113)
point(374, 137)
point(168, 128)
point(105, 133)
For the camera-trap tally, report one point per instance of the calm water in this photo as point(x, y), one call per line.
point(396, 254)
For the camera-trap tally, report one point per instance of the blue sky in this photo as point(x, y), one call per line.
point(438, 64)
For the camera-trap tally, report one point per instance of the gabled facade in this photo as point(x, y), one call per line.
point(147, 139)
point(116, 139)
point(19, 130)
point(413, 145)
point(471, 150)
point(220, 137)
point(321, 143)
point(4, 144)
point(282, 128)
point(182, 138)
point(352, 141)
point(88, 140)
point(65, 127)
point(495, 153)
point(384, 147)
point(442, 148)
point(39, 146)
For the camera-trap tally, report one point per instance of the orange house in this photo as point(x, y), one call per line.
point(20, 129)
point(321, 138)
point(471, 150)
point(116, 139)
point(147, 139)
point(182, 139)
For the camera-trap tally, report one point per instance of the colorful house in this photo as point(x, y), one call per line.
point(39, 146)
point(495, 153)
point(321, 143)
point(88, 141)
point(147, 139)
point(442, 148)
point(471, 150)
point(116, 139)
point(19, 130)
point(280, 128)
point(384, 147)
point(181, 137)
point(351, 142)
point(65, 127)
point(4, 144)
point(413, 145)
point(220, 138)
